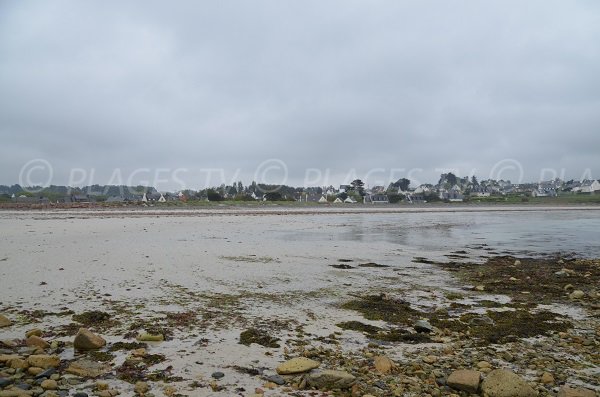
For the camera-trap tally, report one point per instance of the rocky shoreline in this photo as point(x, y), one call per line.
point(516, 327)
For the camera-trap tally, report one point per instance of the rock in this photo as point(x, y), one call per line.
point(297, 365)
point(49, 384)
point(5, 382)
point(480, 288)
point(108, 393)
point(484, 364)
point(19, 363)
point(547, 378)
point(80, 394)
point(4, 321)
point(504, 383)
point(577, 294)
point(423, 326)
point(100, 385)
point(15, 393)
point(87, 368)
point(567, 391)
point(465, 379)
point(141, 388)
point(37, 341)
point(35, 371)
point(34, 332)
point(517, 263)
point(43, 361)
point(150, 337)
point(330, 379)
point(278, 380)
point(217, 375)
point(87, 340)
point(430, 359)
point(46, 374)
point(383, 364)
point(569, 287)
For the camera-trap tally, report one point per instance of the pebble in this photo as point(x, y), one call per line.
point(383, 364)
point(217, 375)
point(423, 326)
point(297, 365)
point(577, 294)
point(80, 394)
point(278, 380)
point(87, 340)
point(547, 378)
point(141, 388)
point(49, 384)
point(33, 332)
point(45, 373)
point(4, 321)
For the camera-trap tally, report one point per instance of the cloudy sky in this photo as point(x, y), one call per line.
point(194, 93)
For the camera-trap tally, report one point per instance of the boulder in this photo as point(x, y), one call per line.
point(567, 391)
point(465, 379)
point(383, 364)
point(150, 337)
point(297, 365)
point(577, 294)
point(87, 340)
point(547, 378)
point(4, 321)
point(88, 368)
point(43, 361)
point(330, 379)
point(505, 383)
point(36, 341)
point(423, 326)
point(34, 332)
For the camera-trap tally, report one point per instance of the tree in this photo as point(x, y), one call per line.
point(402, 184)
point(474, 181)
point(358, 186)
point(213, 195)
point(273, 196)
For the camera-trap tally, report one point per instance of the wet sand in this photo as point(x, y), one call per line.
point(234, 269)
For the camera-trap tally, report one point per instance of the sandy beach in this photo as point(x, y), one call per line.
point(237, 292)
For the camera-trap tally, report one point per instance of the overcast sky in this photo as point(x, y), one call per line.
point(376, 89)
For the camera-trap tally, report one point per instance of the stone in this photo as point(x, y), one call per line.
point(217, 375)
point(100, 385)
point(5, 358)
point(517, 263)
point(15, 393)
point(278, 380)
point(141, 388)
point(567, 391)
point(44, 361)
point(547, 378)
point(46, 373)
point(430, 359)
point(465, 380)
point(35, 371)
point(330, 379)
point(49, 384)
point(87, 340)
point(150, 337)
point(87, 368)
point(19, 363)
point(4, 321)
point(5, 382)
point(480, 288)
point(484, 364)
point(383, 364)
point(505, 383)
point(80, 394)
point(423, 326)
point(297, 365)
point(577, 294)
point(34, 332)
point(37, 342)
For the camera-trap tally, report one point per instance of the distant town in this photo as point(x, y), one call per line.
point(449, 189)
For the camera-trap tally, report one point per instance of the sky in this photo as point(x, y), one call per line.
point(195, 93)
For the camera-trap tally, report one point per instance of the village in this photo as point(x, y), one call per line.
point(449, 189)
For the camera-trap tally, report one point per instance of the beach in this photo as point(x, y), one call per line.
point(236, 292)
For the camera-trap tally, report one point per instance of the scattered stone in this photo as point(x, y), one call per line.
point(4, 321)
point(383, 364)
point(465, 379)
point(547, 378)
point(87, 340)
point(34, 371)
point(34, 332)
point(423, 326)
point(505, 383)
point(80, 394)
point(278, 380)
point(45, 374)
point(87, 368)
point(297, 365)
point(141, 388)
point(150, 337)
point(43, 361)
point(567, 391)
point(577, 294)
point(484, 364)
point(217, 375)
point(5, 382)
point(36, 341)
point(49, 384)
point(330, 379)
point(19, 363)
